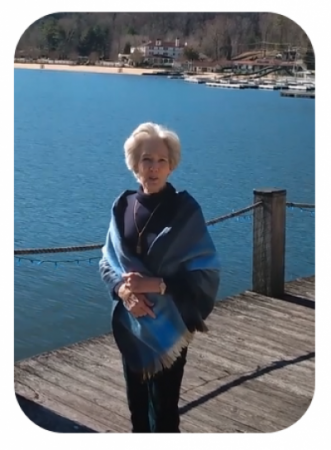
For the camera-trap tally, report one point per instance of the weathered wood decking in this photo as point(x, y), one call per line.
point(253, 372)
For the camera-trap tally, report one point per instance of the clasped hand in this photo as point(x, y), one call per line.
point(133, 291)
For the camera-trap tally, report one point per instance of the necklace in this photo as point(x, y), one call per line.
point(138, 247)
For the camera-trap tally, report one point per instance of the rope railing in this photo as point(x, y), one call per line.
point(262, 228)
point(98, 246)
point(77, 248)
point(88, 247)
point(300, 205)
point(231, 215)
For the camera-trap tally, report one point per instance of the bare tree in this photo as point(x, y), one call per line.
point(93, 57)
point(267, 25)
point(214, 37)
point(137, 57)
point(73, 56)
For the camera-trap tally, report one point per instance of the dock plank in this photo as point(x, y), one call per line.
point(62, 400)
point(302, 287)
point(254, 372)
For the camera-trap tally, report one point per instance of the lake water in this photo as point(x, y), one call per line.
point(69, 167)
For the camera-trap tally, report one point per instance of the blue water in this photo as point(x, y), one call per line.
point(69, 167)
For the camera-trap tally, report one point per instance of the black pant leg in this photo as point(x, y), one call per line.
point(137, 397)
point(164, 392)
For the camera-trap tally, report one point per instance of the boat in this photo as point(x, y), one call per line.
point(281, 85)
point(270, 87)
point(251, 85)
point(176, 77)
point(226, 85)
point(302, 87)
point(194, 80)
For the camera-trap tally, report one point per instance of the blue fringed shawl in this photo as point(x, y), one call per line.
point(147, 344)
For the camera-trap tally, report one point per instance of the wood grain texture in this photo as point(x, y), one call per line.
point(254, 372)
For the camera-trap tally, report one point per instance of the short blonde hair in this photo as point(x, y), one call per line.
point(151, 130)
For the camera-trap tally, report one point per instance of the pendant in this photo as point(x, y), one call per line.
point(138, 248)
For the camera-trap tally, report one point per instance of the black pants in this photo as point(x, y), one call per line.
point(153, 403)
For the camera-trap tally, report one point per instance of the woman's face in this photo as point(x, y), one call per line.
point(153, 166)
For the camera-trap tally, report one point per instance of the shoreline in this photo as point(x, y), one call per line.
point(86, 69)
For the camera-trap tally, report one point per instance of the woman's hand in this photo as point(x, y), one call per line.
point(140, 284)
point(137, 304)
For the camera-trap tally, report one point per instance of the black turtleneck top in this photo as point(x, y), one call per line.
point(141, 206)
point(160, 208)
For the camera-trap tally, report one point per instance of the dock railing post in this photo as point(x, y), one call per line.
point(269, 221)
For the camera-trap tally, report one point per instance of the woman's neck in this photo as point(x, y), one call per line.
point(154, 198)
point(151, 191)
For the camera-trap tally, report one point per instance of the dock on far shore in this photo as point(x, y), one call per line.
point(298, 94)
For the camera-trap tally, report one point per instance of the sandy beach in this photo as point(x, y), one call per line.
point(94, 69)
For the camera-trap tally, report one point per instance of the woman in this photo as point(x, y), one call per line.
point(161, 267)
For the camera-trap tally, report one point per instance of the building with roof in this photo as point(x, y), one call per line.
point(160, 52)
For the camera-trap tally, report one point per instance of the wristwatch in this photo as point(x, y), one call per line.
point(162, 287)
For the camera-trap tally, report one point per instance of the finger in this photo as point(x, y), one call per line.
point(148, 310)
point(143, 298)
point(133, 299)
point(130, 274)
point(127, 275)
point(138, 311)
point(130, 302)
point(148, 302)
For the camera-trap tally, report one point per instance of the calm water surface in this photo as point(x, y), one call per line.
point(69, 167)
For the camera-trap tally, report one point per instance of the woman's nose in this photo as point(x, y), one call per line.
point(154, 165)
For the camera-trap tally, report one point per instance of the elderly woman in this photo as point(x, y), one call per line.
point(162, 271)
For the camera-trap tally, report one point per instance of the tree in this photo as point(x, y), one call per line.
point(95, 39)
point(127, 48)
point(53, 35)
point(131, 31)
point(191, 54)
point(267, 22)
point(93, 57)
point(214, 34)
point(214, 37)
point(309, 58)
point(137, 57)
point(73, 56)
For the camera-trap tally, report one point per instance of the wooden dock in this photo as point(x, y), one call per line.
point(298, 94)
point(253, 372)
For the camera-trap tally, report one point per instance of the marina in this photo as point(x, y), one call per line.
point(265, 84)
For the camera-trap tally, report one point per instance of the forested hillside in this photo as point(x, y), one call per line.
point(216, 35)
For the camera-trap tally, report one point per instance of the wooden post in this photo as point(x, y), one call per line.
point(269, 242)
